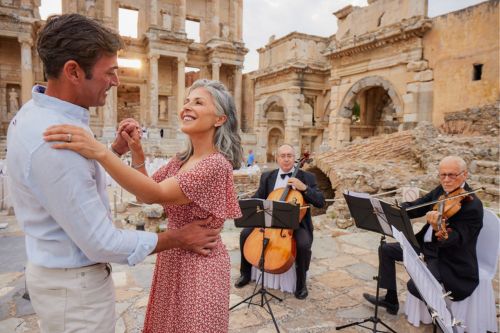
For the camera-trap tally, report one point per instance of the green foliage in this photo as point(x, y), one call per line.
point(356, 113)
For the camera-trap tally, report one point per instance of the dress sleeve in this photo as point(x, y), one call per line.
point(210, 186)
point(161, 174)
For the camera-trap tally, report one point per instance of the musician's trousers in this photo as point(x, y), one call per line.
point(389, 253)
point(303, 241)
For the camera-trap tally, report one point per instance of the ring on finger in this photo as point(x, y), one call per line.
point(69, 137)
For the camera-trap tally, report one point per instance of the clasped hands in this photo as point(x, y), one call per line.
point(128, 138)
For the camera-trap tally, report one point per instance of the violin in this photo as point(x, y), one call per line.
point(448, 205)
point(280, 248)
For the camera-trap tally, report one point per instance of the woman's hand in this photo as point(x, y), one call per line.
point(76, 139)
point(128, 125)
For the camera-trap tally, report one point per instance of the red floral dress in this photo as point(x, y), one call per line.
point(190, 292)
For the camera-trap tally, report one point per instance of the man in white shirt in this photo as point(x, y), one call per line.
point(60, 198)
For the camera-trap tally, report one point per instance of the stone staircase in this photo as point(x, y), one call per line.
point(485, 174)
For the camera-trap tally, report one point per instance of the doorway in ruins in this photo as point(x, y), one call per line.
point(274, 140)
point(373, 113)
point(129, 102)
point(373, 108)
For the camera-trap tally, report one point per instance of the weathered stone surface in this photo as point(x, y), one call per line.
point(417, 66)
point(154, 211)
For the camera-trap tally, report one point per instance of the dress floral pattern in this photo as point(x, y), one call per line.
point(190, 292)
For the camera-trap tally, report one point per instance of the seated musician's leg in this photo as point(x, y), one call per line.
point(388, 253)
point(432, 265)
point(303, 241)
point(245, 266)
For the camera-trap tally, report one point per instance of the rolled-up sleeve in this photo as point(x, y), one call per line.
point(66, 186)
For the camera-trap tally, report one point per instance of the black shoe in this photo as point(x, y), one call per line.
point(301, 293)
point(392, 308)
point(242, 281)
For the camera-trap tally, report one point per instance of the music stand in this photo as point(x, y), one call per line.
point(262, 214)
point(368, 214)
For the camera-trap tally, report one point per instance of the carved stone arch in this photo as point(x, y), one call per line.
point(379, 110)
point(274, 102)
point(366, 83)
point(275, 138)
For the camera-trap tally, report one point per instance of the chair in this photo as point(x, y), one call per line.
point(477, 312)
point(285, 282)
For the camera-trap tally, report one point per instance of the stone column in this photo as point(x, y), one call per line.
point(153, 12)
point(109, 128)
point(181, 82)
point(181, 18)
point(215, 70)
point(181, 94)
point(26, 68)
point(153, 90)
point(215, 33)
point(237, 91)
point(233, 19)
point(153, 131)
point(239, 31)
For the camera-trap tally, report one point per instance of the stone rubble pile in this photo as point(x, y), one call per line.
point(389, 162)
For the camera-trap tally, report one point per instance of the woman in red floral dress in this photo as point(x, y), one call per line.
point(189, 292)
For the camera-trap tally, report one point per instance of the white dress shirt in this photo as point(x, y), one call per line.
point(282, 182)
point(60, 197)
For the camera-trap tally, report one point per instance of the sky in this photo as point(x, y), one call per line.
point(264, 18)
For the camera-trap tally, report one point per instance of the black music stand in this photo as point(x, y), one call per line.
point(369, 217)
point(262, 214)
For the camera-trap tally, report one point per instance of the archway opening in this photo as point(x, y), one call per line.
point(274, 140)
point(373, 113)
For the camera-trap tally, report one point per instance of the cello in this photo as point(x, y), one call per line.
point(281, 250)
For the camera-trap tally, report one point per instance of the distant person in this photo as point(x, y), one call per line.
point(251, 158)
point(60, 198)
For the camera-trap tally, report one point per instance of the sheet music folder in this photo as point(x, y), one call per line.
point(378, 216)
point(260, 213)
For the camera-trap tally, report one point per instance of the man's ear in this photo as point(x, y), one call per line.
point(220, 120)
point(73, 72)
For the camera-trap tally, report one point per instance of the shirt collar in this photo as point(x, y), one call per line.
point(280, 172)
point(58, 105)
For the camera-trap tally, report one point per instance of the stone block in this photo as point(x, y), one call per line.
point(417, 66)
point(412, 87)
point(427, 75)
point(407, 98)
point(410, 117)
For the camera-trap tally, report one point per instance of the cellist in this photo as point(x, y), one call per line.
point(449, 252)
point(305, 182)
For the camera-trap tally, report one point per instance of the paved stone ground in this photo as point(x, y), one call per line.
point(341, 270)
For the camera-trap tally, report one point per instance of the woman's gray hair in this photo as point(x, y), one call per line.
point(227, 139)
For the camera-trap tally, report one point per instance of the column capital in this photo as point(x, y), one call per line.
point(25, 39)
point(153, 56)
point(181, 59)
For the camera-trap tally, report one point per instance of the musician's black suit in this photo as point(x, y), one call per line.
point(303, 236)
point(452, 261)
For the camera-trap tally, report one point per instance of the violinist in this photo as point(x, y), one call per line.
point(305, 182)
point(450, 255)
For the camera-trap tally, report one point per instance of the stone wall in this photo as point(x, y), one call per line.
point(457, 42)
point(482, 120)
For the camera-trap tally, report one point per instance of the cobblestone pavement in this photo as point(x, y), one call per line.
point(342, 268)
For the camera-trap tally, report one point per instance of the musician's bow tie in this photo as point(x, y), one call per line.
point(283, 175)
